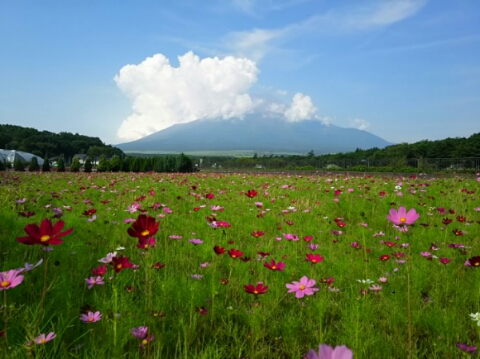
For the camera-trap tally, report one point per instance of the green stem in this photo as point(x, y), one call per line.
point(44, 291)
point(5, 327)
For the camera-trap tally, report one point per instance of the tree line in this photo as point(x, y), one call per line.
point(49, 144)
point(170, 163)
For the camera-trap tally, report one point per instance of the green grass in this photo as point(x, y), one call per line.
point(240, 325)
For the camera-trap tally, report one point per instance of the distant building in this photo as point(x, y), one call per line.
point(9, 156)
point(82, 157)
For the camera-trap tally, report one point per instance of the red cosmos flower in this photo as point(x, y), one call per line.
point(457, 232)
point(257, 234)
point(100, 270)
point(235, 253)
point(308, 238)
point(120, 263)
point(280, 266)
point(196, 209)
point(445, 260)
point(45, 234)
point(327, 281)
point(263, 254)
point(89, 212)
point(146, 243)
point(209, 195)
point(382, 194)
point(258, 289)
point(290, 223)
point(219, 250)
point(144, 227)
point(251, 193)
point(203, 310)
point(451, 211)
point(158, 265)
point(141, 198)
point(27, 214)
point(337, 192)
point(461, 219)
point(246, 259)
point(398, 254)
point(224, 281)
point(384, 257)
point(314, 258)
point(390, 244)
point(447, 221)
point(474, 261)
point(341, 224)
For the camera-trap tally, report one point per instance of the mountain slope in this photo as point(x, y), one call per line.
point(258, 134)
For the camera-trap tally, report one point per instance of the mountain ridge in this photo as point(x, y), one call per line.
point(256, 133)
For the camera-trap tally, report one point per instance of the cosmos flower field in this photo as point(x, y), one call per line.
point(211, 265)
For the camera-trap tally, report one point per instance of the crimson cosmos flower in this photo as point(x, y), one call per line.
point(219, 250)
point(258, 289)
point(474, 261)
point(144, 227)
point(257, 234)
point(280, 266)
point(235, 253)
point(120, 263)
point(251, 193)
point(314, 258)
point(45, 234)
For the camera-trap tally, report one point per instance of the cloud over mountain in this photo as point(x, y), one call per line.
point(211, 88)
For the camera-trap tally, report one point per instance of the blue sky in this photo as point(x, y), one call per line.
point(405, 70)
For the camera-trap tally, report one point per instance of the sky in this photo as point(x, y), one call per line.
point(404, 70)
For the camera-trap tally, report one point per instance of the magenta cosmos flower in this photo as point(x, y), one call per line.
point(42, 338)
point(402, 216)
point(10, 279)
point(327, 352)
point(91, 317)
point(304, 287)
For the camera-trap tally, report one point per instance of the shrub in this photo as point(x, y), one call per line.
point(61, 165)
point(88, 165)
point(75, 167)
point(34, 166)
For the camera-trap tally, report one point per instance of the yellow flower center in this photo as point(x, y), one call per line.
point(234, 256)
point(476, 264)
point(255, 291)
point(4, 284)
point(302, 287)
point(403, 219)
point(144, 342)
point(43, 340)
point(119, 266)
point(90, 319)
point(44, 238)
point(314, 261)
point(145, 233)
point(274, 267)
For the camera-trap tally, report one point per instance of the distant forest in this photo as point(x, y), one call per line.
point(45, 143)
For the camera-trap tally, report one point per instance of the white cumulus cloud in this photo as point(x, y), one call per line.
point(164, 95)
point(301, 109)
point(359, 123)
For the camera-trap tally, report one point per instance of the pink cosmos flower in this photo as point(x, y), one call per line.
point(304, 287)
point(10, 279)
point(42, 338)
point(402, 217)
point(94, 280)
point(327, 352)
point(91, 317)
point(108, 258)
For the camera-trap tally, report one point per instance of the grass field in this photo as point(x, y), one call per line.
point(190, 257)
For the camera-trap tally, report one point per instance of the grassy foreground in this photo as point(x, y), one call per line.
point(385, 292)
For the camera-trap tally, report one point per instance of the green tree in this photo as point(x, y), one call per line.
point(61, 164)
point(75, 167)
point(34, 166)
point(2, 165)
point(46, 164)
point(159, 161)
point(115, 164)
point(18, 165)
point(102, 164)
point(184, 163)
point(88, 165)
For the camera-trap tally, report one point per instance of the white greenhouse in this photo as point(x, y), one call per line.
point(9, 156)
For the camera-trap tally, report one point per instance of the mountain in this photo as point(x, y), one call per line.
point(256, 133)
